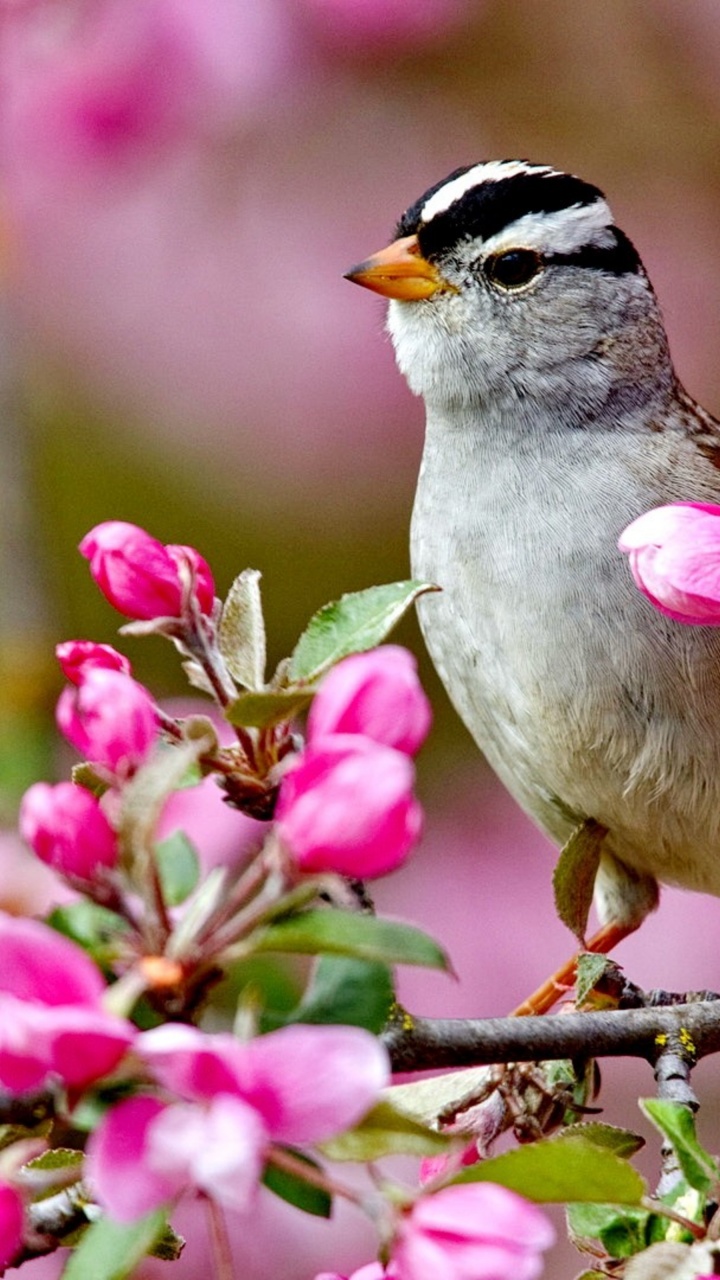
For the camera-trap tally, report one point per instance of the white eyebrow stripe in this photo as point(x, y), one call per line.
point(565, 231)
point(491, 171)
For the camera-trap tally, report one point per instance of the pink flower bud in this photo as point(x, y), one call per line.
point(674, 555)
point(75, 656)
point(142, 578)
point(377, 694)
point(109, 718)
point(65, 826)
point(11, 1224)
point(347, 806)
point(475, 1230)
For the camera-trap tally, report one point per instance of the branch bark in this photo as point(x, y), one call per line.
point(422, 1044)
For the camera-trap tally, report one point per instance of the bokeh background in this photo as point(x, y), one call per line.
point(182, 185)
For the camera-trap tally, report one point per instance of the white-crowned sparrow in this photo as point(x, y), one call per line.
point(525, 319)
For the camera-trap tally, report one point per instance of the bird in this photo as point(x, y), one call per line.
point(524, 318)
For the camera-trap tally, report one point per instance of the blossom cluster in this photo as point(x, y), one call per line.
point(178, 1109)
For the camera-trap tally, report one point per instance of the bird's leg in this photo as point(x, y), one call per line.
point(560, 982)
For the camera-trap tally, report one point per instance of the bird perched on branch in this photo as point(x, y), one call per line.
point(524, 318)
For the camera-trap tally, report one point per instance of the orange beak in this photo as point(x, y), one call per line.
point(400, 271)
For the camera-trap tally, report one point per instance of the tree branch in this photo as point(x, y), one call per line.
point(421, 1044)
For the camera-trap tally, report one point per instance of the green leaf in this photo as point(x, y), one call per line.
point(57, 1158)
point(591, 968)
point(178, 867)
point(296, 1190)
point(622, 1141)
point(574, 875)
point(260, 710)
point(384, 1131)
point(677, 1123)
point(357, 622)
point(347, 992)
point(95, 929)
point(111, 1250)
point(241, 635)
point(621, 1232)
point(345, 934)
point(563, 1170)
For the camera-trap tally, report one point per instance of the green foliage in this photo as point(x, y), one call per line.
point(574, 876)
point(561, 1170)
point(346, 991)
point(241, 635)
point(178, 867)
point(677, 1123)
point(355, 623)
point(268, 707)
point(111, 1250)
point(344, 934)
point(293, 1188)
point(384, 1131)
point(95, 929)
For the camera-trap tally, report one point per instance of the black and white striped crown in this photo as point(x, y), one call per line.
point(508, 204)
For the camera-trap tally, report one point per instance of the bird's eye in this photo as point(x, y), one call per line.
point(513, 269)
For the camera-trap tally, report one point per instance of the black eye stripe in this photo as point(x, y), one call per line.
point(618, 259)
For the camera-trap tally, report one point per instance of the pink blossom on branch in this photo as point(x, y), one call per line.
point(306, 1082)
point(234, 1098)
point(479, 1231)
point(52, 1023)
point(66, 828)
point(377, 694)
point(11, 1224)
point(145, 1153)
point(77, 656)
point(347, 805)
point(143, 578)
point(109, 718)
point(674, 555)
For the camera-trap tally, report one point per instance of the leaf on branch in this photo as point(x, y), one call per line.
point(112, 1250)
point(295, 1190)
point(677, 1123)
point(574, 875)
point(621, 1232)
point(346, 991)
point(178, 866)
point(591, 968)
point(260, 710)
point(425, 1100)
point(622, 1141)
point(344, 934)
point(241, 635)
point(357, 622)
point(385, 1131)
point(562, 1170)
point(96, 929)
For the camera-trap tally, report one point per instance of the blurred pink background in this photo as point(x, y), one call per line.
point(182, 186)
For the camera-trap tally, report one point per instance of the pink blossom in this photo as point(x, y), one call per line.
point(145, 1153)
point(75, 656)
point(51, 1019)
point(377, 694)
point(479, 1231)
point(117, 83)
point(674, 554)
point(141, 577)
point(306, 1082)
point(347, 805)
point(65, 826)
point(109, 718)
point(371, 1271)
point(11, 1224)
point(299, 1084)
